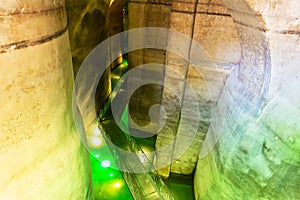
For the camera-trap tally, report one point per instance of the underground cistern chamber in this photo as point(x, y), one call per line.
point(150, 99)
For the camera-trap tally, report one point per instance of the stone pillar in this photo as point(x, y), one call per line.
point(88, 27)
point(255, 128)
point(146, 14)
point(181, 20)
point(42, 156)
point(210, 24)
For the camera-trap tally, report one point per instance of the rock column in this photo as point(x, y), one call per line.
point(41, 154)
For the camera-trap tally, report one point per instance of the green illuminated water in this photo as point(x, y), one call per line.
point(108, 183)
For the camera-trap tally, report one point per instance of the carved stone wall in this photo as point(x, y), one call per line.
point(208, 23)
point(256, 155)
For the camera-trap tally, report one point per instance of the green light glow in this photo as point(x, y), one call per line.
point(125, 63)
point(108, 183)
point(117, 73)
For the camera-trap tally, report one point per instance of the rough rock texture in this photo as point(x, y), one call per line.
point(209, 24)
point(41, 155)
point(257, 154)
point(88, 27)
point(174, 82)
point(216, 32)
point(146, 14)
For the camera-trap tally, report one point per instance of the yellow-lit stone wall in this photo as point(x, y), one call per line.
point(147, 14)
point(208, 23)
point(88, 24)
point(41, 155)
point(181, 20)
